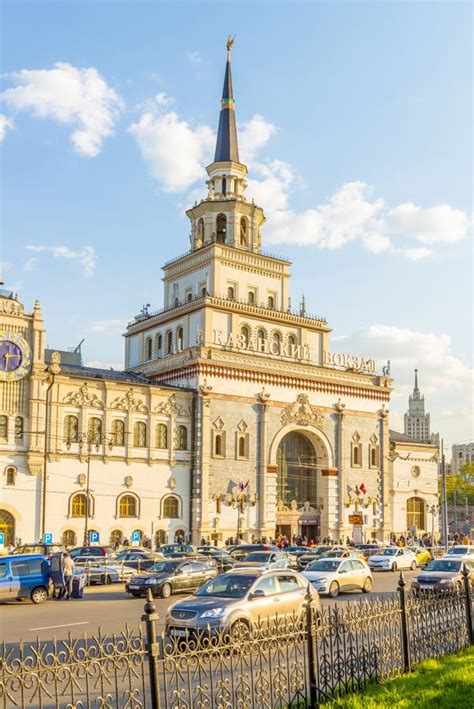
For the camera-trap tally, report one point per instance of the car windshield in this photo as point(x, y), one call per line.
point(336, 554)
point(324, 565)
point(164, 566)
point(388, 552)
point(260, 556)
point(459, 551)
point(227, 586)
point(444, 565)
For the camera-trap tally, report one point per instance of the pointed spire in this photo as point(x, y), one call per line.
point(227, 148)
point(416, 379)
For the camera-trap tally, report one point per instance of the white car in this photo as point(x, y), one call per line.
point(393, 559)
point(332, 575)
point(264, 560)
point(458, 551)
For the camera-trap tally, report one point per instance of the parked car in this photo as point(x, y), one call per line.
point(392, 559)
point(458, 550)
point(140, 560)
point(24, 576)
point(91, 551)
point(264, 560)
point(294, 552)
point(445, 573)
point(234, 602)
point(171, 576)
point(192, 555)
point(423, 555)
point(224, 561)
point(166, 549)
point(241, 550)
point(330, 576)
point(368, 550)
point(343, 554)
point(102, 570)
point(40, 548)
point(314, 553)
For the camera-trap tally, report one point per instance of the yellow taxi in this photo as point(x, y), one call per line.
point(423, 555)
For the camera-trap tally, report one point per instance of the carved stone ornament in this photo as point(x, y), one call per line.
point(383, 412)
point(81, 479)
point(129, 402)
point(10, 306)
point(171, 483)
point(339, 406)
point(302, 413)
point(54, 367)
point(205, 388)
point(83, 397)
point(170, 407)
point(128, 481)
point(263, 395)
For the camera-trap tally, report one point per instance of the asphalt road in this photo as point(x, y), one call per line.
point(110, 609)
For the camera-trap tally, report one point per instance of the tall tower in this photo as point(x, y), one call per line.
point(417, 422)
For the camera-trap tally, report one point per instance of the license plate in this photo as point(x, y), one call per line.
point(429, 586)
point(133, 585)
point(179, 632)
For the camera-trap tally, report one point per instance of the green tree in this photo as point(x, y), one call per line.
point(461, 484)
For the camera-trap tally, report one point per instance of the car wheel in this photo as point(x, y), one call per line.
point(39, 595)
point(105, 579)
point(135, 594)
point(239, 631)
point(165, 590)
point(334, 589)
point(394, 566)
point(413, 565)
point(367, 587)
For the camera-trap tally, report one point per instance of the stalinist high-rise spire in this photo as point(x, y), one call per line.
point(227, 148)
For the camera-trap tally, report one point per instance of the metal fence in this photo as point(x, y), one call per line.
point(283, 664)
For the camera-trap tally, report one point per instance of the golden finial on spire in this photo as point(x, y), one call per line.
point(230, 42)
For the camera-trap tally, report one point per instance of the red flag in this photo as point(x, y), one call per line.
point(363, 489)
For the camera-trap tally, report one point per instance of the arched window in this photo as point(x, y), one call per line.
point(203, 292)
point(95, 430)
point(7, 525)
point(182, 438)
point(230, 293)
point(291, 343)
point(139, 434)
point(190, 297)
point(176, 302)
point(179, 536)
point(355, 456)
point(69, 538)
point(19, 429)
point(415, 513)
point(244, 231)
point(245, 335)
point(148, 348)
point(241, 451)
point(128, 506)
point(276, 343)
point(200, 232)
point(224, 186)
point(180, 339)
point(71, 429)
point(271, 302)
point(4, 428)
point(116, 538)
point(10, 473)
point(251, 297)
point(170, 508)
point(78, 505)
point(159, 345)
point(169, 342)
point(162, 436)
point(261, 339)
point(118, 432)
point(221, 228)
point(218, 448)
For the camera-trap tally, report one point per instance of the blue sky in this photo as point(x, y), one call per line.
point(355, 120)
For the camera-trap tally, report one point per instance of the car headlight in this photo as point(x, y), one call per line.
point(445, 581)
point(213, 613)
point(151, 582)
point(323, 579)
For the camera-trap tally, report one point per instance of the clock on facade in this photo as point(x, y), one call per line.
point(15, 357)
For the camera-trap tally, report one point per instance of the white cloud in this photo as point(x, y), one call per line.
point(194, 57)
point(444, 378)
point(115, 326)
point(100, 364)
point(6, 123)
point(253, 135)
point(440, 223)
point(77, 97)
point(85, 257)
point(174, 151)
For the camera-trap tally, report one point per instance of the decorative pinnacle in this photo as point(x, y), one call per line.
point(229, 43)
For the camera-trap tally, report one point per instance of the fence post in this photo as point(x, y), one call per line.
point(402, 595)
point(467, 597)
point(311, 642)
point(149, 618)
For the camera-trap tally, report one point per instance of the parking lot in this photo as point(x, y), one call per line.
point(111, 609)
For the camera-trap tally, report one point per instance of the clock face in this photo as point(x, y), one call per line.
point(15, 356)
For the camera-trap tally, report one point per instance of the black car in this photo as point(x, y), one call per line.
point(239, 552)
point(312, 554)
point(91, 551)
point(223, 560)
point(167, 549)
point(138, 560)
point(171, 576)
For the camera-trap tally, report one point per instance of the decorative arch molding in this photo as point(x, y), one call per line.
point(172, 496)
point(315, 435)
point(11, 510)
point(129, 402)
point(127, 493)
point(91, 504)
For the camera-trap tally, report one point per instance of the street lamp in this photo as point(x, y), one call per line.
point(90, 439)
point(241, 501)
point(434, 511)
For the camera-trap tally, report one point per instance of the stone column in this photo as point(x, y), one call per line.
point(263, 398)
point(385, 526)
point(201, 478)
point(340, 443)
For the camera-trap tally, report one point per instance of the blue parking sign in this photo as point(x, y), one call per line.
point(2, 539)
point(47, 538)
point(94, 537)
point(136, 536)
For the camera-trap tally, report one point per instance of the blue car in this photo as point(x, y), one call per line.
point(24, 576)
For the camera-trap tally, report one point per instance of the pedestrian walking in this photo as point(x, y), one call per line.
point(67, 566)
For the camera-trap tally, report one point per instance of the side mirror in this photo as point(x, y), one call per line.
point(257, 594)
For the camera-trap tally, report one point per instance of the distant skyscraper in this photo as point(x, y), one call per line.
point(417, 422)
point(461, 454)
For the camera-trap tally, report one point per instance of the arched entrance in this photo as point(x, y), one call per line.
point(297, 487)
point(7, 526)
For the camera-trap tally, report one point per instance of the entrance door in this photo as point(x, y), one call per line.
point(284, 530)
point(7, 526)
point(310, 531)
